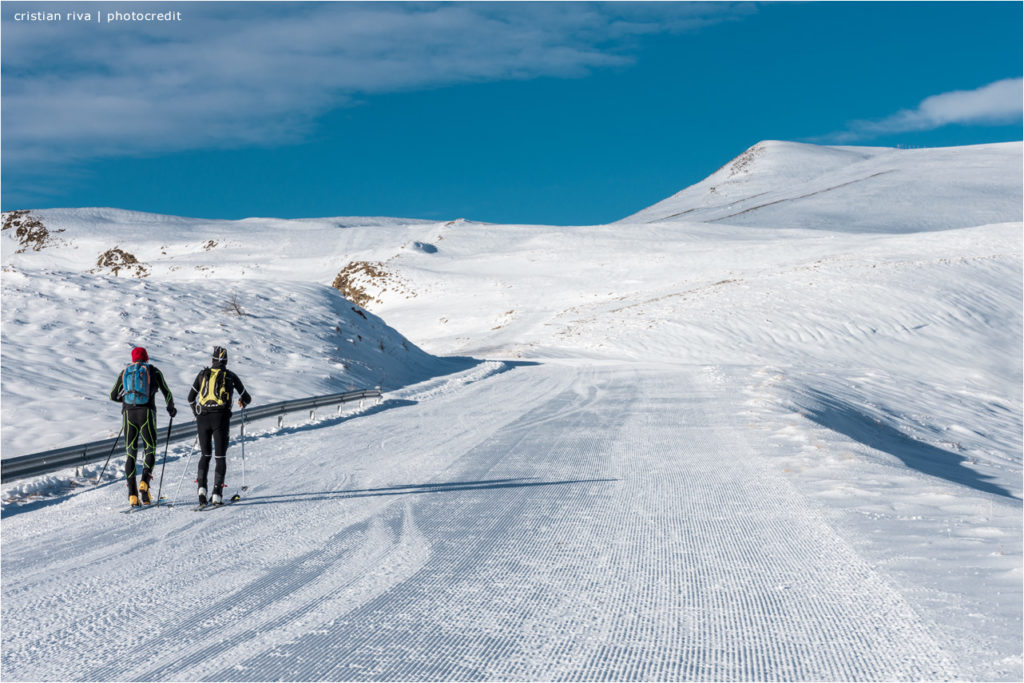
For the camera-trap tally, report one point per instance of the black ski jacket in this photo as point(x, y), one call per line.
point(231, 384)
point(156, 382)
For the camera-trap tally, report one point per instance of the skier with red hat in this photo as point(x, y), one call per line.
point(136, 389)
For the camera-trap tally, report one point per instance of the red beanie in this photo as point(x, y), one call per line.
point(139, 355)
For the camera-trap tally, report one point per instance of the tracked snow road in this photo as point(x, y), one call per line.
point(608, 522)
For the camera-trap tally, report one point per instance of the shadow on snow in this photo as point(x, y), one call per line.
point(839, 416)
point(411, 489)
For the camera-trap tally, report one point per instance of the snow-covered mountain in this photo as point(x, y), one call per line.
point(685, 280)
point(829, 338)
point(853, 189)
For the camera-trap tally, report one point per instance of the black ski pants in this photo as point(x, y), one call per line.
point(213, 442)
point(139, 424)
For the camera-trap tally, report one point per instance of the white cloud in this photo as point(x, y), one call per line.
point(262, 73)
point(996, 103)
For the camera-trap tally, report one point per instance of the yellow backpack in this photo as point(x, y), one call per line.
point(213, 392)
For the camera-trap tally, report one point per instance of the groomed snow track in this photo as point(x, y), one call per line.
point(573, 535)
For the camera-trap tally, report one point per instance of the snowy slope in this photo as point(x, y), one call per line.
point(777, 444)
point(853, 189)
point(72, 334)
point(169, 247)
point(179, 287)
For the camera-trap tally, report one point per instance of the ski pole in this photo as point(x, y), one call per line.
point(167, 444)
point(244, 487)
point(116, 439)
point(182, 478)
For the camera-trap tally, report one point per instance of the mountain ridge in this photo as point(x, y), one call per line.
point(772, 172)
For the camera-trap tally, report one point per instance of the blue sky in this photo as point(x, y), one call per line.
point(556, 113)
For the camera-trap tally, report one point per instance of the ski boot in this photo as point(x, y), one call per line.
point(144, 492)
point(133, 501)
point(217, 499)
point(202, 496)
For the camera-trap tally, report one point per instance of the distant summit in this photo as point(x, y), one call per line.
point(856, 189)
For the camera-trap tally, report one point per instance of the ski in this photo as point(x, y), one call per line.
point(140, 508)
point(227, 502)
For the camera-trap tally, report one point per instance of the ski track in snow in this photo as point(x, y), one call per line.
point(637, 537)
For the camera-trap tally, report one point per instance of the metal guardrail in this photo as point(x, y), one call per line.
point(33, 464)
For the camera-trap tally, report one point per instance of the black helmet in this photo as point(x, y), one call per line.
point(220, 354)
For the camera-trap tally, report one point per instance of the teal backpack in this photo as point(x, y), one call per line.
point(135, 384)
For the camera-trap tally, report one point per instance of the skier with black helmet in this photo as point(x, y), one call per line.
point(210, 399)
point(136, 389)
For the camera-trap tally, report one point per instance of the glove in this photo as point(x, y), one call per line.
point(172, 411)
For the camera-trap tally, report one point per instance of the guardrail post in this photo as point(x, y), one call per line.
point(280, 421)
point(312, 415)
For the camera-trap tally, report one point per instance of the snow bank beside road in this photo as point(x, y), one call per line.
point(66, 337)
